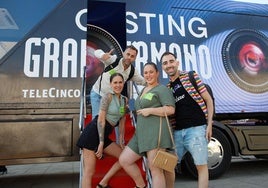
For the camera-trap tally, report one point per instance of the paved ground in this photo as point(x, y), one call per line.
point(249, 173)
point(246, 173)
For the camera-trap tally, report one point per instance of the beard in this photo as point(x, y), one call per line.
point(172, 73)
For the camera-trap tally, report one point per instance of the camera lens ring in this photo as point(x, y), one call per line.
point(244, 54)
point(103, 39)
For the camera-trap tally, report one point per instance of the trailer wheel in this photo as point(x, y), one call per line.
point(219, 156)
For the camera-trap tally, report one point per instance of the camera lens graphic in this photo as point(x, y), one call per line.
point(98, 38)
point(245, 59)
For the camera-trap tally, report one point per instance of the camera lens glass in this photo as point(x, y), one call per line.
point(245, 60)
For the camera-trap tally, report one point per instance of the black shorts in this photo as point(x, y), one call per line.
point(89, 137)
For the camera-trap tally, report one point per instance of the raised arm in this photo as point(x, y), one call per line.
point(106, 58)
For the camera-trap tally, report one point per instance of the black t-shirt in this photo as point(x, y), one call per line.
point(188, 113)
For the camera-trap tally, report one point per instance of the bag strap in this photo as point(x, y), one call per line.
point(171, 136)
point(192, 80)
point(132, 71)
point(111, 66)
point(108, 68)
point(160, 130)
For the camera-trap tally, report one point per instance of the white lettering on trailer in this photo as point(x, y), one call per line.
point(51, 57)
point(31, 63)
point(49, 61)
point(78, 19)
point(203, 30)
point(205, 65)
point(190, 56)
point(51, 93)
point(196, 26)
point(147, 17)
point(134, 27)
point(195, 57)
point(173, 24)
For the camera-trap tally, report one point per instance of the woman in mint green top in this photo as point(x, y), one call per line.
point(95, 140)
point(147, 129)
point(155, 100)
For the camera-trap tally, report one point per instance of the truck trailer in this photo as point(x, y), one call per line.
point(46, 46)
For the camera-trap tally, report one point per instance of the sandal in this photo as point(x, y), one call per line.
point(101, 186)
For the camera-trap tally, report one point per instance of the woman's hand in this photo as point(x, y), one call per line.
point(99, 151)
point(107, 55)
point(144, 112)
point(122, 142)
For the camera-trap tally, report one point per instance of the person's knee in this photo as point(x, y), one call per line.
point(201, 168)
point(122, 160)
point(155, 171)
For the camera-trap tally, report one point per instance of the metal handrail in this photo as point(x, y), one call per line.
point(82, 116)
point(82, 112)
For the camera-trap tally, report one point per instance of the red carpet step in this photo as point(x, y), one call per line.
point(121, 179)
